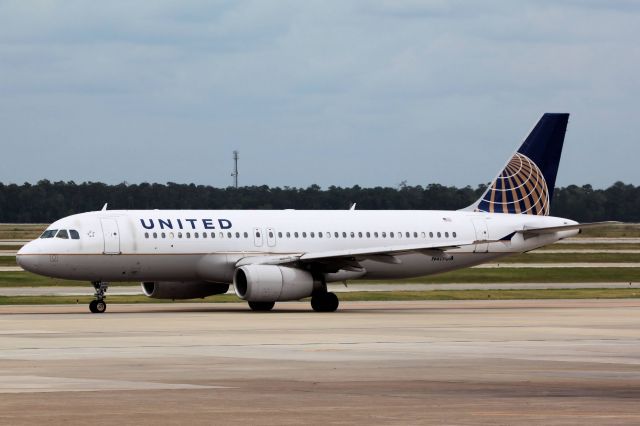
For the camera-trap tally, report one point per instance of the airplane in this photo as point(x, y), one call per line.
point(282, 255)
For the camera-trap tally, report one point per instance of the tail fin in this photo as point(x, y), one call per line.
point(525, 185)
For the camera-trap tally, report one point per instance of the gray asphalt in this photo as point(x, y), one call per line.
point(543, 362)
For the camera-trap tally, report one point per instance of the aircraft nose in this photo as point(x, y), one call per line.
point(27, 257)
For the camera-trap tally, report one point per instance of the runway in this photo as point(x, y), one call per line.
point(445, 362)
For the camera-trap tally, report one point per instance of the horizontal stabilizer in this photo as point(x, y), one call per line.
point(554, 229)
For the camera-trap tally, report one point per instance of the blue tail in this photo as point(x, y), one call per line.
point(525, 185)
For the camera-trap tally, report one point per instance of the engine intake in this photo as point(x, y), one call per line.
point(179, 290)
point(272, 283)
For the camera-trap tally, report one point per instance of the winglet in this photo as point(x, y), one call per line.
point(104, 208)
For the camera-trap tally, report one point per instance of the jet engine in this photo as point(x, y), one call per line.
point(272, 283)
point(182, 289)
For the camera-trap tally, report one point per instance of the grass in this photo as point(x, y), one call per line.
point(463, 276)
point(21, 231)
point(27, 279)
point(590, 246)
point(541, 257)
point(627, 230)
point(623, 293)
point(525, 275)
point(8, 261)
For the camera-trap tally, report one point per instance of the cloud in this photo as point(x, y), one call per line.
point(312, 92)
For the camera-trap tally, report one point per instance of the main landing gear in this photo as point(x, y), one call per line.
point(324, 302)
point(261, 306)
point(98, 305)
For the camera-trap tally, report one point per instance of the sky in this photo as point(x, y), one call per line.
point(369, 93)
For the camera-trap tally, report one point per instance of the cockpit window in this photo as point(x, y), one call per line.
point(63, 234)
point(49, 233)
point(74, 234)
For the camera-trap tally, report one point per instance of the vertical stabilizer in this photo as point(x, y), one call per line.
point(525, 185)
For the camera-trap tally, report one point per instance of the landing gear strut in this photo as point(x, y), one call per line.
point(324, 302)
point(98, 305)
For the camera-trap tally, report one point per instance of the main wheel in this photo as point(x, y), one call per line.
point(98, 306)
point(325, 302)
point(261, 306)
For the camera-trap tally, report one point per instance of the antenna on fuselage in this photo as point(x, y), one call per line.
point(235, 169)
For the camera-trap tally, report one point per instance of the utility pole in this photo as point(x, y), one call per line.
point(235, 169)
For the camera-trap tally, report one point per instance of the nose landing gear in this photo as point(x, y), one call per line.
point(98, 305)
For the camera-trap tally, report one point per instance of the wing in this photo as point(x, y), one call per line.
point(349, 259)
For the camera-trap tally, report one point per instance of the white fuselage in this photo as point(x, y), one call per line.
point(187, 245)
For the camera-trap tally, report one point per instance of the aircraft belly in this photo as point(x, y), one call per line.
point(101, 267)
point(416, 264)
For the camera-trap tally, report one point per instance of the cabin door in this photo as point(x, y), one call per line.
point(482, 234)
point(111, 235)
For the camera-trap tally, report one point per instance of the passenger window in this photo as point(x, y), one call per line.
point(221, 235)
point(188, 234)
point(328, 234)
point(146, 235)
point(391, 234)
point(179, 235)
point(295, 234)
point(375, 235)
point(163, 235)
point(63, 234)
point(237, 235)
point(408, 235)
point(446, 234)
point(229, 235)
point(195, 235)
point(344, 235)
point(353, 235)
point(359, 234)
point(415, 235)
point(399, 234)
point(423, 234)
point(171, 235)
point(288, 234)
point(204, 235)
point(304, 235)
point(270, 234)
point(319, 234)
point(312, 234)
point(439, 235)
point(279, 234)
point(384, 235)
point(368, 234)
point(155, 235)
point(335, 234)
point(213, 235)
point(246, 235)
point(74, 234)
point(430, 234)
point(454, 235)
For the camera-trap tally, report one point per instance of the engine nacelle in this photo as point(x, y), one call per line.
point(272, 283)
point(182, 289)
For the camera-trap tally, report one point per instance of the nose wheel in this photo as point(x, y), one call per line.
point(98, 305)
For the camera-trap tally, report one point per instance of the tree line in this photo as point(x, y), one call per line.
point(47, 201)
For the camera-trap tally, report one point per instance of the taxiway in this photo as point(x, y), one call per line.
point(448, 362)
